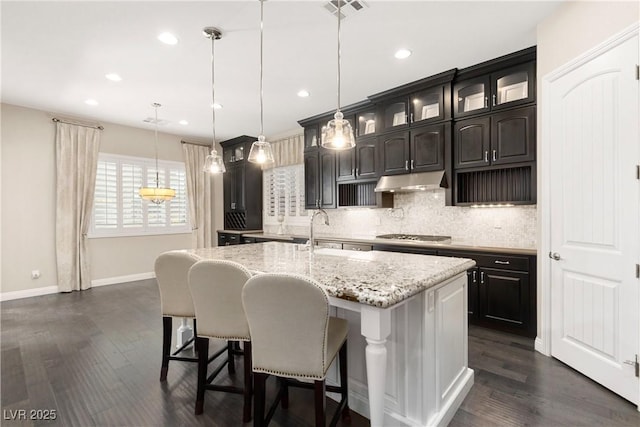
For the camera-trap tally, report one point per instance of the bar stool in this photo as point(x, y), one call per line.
point(216, 287)
point(172, 270)
point(294, 338)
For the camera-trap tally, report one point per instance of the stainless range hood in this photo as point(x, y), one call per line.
point(412, 182)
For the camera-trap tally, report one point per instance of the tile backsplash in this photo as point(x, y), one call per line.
point(426, 213)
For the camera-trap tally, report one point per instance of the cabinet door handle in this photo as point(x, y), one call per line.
point(406, 165)
point(406, 118)
point(486, 157)
point(412, 167)
point(501, 262)
point(486, 102)
point(357, 171)
point(494, 155)
point(475, 276)
point(482, 277)
point(411, 120)
point(493, 100)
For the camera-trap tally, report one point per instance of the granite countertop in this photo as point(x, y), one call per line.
point(380, 279)
point(455, 244)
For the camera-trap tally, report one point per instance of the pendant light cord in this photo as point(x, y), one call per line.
point(213, 92)
point(339, 14)
point(261, 43)
point(156, 105)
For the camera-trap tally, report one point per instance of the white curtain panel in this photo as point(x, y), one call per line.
point(77, 150)
point(287, 151)
point(199, 192)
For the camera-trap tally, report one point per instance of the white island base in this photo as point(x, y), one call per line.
point(416, 351)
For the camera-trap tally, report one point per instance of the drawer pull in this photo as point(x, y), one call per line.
point(502, 262)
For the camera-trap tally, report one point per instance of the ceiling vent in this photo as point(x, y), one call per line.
point(348, 7)
point(161, 122)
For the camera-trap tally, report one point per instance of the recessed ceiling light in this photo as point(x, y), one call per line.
point(113, 77)
point(183, 122)
point(168, 38)
point(92, 102)
point(216, 106)
point(403, 53)
point(303, 93)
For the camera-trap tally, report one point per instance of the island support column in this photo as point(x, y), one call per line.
point(376, 328)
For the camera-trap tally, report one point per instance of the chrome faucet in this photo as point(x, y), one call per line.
point(322, 212)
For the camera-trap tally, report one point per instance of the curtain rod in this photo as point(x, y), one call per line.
point(55, 119)
point(204, 144)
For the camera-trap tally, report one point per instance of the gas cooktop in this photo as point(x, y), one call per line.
point(416, 237)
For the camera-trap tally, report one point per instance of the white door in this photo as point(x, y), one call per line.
point(595, 147)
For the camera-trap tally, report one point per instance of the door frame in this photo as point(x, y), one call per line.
point(543, 340)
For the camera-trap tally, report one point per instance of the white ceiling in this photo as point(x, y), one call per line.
point(55, 56)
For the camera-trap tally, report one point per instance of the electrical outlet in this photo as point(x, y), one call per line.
point(35, 274)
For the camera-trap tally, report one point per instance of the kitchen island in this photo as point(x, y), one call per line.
point(408, 320)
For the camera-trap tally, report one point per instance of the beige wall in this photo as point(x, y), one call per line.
point(28, 201)
point(577, 26)
point(573, 29)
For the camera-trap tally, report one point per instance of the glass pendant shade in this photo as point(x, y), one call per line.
point(156, 194)
point(338, 134)
point(261, 152)
point(213, 163)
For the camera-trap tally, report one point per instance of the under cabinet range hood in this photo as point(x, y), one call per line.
point(412, 182)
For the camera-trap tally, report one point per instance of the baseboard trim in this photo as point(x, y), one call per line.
point(27, 293)
point(540, 347)
point(122, 279)
point(47, 290)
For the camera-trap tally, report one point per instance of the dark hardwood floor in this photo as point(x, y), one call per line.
point(94, 358)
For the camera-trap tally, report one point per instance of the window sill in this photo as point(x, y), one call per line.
point(96, 235)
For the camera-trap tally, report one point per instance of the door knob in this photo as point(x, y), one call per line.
point(554, 255)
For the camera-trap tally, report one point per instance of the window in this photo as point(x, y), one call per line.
point(119, 211)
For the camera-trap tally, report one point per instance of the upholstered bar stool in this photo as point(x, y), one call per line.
point(172, 271)
point(294, 338)
point(216, 287)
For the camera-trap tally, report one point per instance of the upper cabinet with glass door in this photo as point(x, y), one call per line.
point(421, 107)
point(234, 153)
point(505, 88)
point(366, 122)
point(421, 102)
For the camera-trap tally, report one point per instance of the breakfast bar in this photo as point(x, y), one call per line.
point(411, 311)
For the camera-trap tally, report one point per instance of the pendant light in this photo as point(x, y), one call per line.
point(213, 163)
point(261, 151)
point(156, 194)
point(338, 133)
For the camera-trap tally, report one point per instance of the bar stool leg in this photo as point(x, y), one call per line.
point(202, 347)
point(167, 329)
point(320, 402)
point(259, 380)
point(285, 394)
point(231, 364)
point(248, 382)
point(344, 382)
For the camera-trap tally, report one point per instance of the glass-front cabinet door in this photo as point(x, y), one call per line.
point(513, 86)
point(311, 137)
point(427, 106)
point(233, 154)
point(471, 96)
point(366, 123)
point(395, 114)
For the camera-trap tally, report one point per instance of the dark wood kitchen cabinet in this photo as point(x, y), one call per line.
point(418, 150)
point(506, 87)
point(501, 287)
point(320, 179)
point(242, 186)
point(499, 139)
point(502, 291)
point(360, 162)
